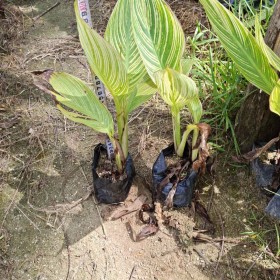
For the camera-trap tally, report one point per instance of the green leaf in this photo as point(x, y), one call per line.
point(241, 46)
point(274, 99)
point(103, 59)
point(187, 64)
point(178, 90)
point(195, 107)
point(158, 35)
point(143, 92)
point(272, 57)
point(119, 34)
point(76, 95)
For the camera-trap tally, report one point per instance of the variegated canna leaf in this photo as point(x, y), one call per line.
point(142, 93)
point(274, 99)
point(241, 46)
point(76, 95)
point(186, 65)
point(178, 90)
point(273, 58)
point(103, 59)
point(119, 34)
point(158, 35)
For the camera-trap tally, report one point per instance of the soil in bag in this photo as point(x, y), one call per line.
point(109, 186)
point(176, 182)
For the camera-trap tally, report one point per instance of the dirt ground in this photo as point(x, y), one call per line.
point(51, 229)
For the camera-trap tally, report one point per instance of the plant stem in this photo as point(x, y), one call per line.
point(119, 156)
point(181, 148)
point(176, 121)
point(124, 139)
point(194, 140)
point(123, 131)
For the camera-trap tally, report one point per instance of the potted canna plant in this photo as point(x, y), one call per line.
point(254, 59)
point(161, 44)
point(260, 66)
point(116, 61)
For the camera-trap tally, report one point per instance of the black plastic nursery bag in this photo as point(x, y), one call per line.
point(105, 190)
point(184, 191)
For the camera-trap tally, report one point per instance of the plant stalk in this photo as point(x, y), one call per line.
point(122, 122)
point(194, 140)
point(180, 150)
point(119, 156)
point(176, 121)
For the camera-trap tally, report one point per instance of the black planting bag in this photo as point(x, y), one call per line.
point(105, 190)
point(184, 191)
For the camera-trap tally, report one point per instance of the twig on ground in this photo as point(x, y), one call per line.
point(62, 207)
point(45, 12)
point(254, 263)
point(28, 218)
point(132, 271)
point(9, 154)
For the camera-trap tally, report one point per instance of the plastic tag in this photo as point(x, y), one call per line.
point(85, 11)
point(100, 89)
point(110, 149)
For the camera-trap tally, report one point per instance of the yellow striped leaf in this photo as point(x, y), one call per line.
point(103, 59)
point(119, 35)
point(241, 46)
point(76, 95)
point(142, 93)
point(178, 91)
point(158, 35)
point(274, 99)
point(187, 64)
point(273, 58)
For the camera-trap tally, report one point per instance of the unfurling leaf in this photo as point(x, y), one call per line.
point(178, 90)
point(73, 93)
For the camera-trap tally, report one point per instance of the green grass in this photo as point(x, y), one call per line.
point(221, 86)
point(264, 235)
point(246, 10)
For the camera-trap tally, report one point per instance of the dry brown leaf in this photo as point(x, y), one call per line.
point(124, 210)
point(147, 231)
point(203, 154)
point(246, 158)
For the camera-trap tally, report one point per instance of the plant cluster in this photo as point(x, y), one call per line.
point(141, 53)
point(218, 76)
point(253, 58)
